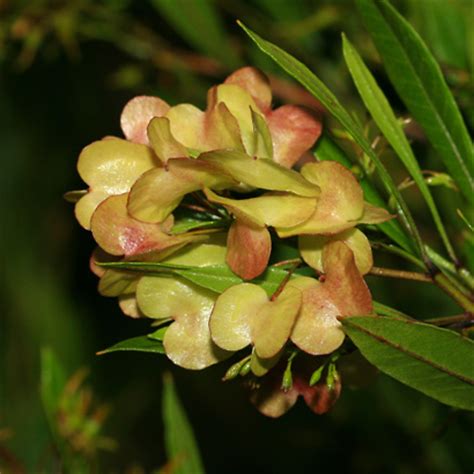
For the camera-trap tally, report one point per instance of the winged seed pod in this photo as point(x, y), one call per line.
point(191, 191)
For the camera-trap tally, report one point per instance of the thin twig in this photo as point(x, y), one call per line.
point(448, 287)
point(282, 285)
point(194, 207)
point(447, 320)
point(401, 274)
point(287, 262)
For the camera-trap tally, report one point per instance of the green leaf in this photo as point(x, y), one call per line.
point(382, 113)
point(327, 149)
point(74, 196)
point(199, 23)
point(53, 380)
point(384, 310)
point(181, 447)
point(220, 277)
point(159, 334)
point(137, 344)
point(419, 82)
point(283, 250)
point(213, 277)
point(314, 85)
point(185, 225)
point(443, 26)
point(435, 361)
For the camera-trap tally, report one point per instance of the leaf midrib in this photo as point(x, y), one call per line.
point(412, 354)
point(419, 83)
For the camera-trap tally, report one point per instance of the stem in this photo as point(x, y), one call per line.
point(285, 281)
point(440, 262)
point(287, 262)
point(402, 274)
point(461, 275)
point(447, 286)
point(447, 320)
point(194, 207)
point(400, 252)
point(456, 283)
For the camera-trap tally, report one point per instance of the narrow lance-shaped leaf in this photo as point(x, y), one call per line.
point(53, 380)
point(437, 362)
point(314, 85)
point(216, 278)
point(181, 447)
point(136, 344)
point(444, 25)
point(382, 113)
point(418, 80)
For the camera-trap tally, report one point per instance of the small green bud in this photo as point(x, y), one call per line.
point(332, 376)
point(316, 376)
point(245, 368)
point(287, 381)
point(235, 369)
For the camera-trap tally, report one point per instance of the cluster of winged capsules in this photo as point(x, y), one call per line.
point(232, 187)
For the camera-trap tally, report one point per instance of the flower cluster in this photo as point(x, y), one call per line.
point(223, 187)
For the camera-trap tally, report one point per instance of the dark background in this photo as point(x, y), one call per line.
point(66, 70)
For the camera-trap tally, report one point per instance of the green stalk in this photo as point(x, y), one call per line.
point(448, 287)
point(444, 264)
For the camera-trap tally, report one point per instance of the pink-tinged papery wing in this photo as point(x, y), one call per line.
point(270, 209)
point(233, 315)
point(311, 249)
point(344, 282)
point(187, 340)
point(159, 191)
point(294, 131)
point(137, 114)
point(340, 205)
point(248, 249)
point(110, 167)
point(120, 234)
point(255, 83)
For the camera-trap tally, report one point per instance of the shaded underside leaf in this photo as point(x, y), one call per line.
point(418, 80)
point(437, 362)
point(137, 344)
point(317, 88)
point(181, 447)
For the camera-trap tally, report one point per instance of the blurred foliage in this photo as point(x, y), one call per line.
point(66, 70)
